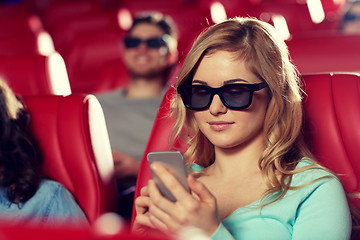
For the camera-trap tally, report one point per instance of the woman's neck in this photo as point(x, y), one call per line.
point(239, 160)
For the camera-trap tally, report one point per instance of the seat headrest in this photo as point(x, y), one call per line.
point(72, 135)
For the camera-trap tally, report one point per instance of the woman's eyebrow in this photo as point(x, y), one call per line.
point(235, 81)
point(199, 82)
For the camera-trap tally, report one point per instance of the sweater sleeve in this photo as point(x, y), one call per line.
point(324, 214)
point(222, 233)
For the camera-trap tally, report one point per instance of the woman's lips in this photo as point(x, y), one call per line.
point(220, 125)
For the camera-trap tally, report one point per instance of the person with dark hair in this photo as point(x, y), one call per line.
point(25, 195)
point(150, 54)
point(238, 108)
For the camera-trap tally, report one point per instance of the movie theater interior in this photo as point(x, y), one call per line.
point(57, 56)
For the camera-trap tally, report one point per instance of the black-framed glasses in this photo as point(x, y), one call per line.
point(235, 96)
point(134, 42)
point(350, 17)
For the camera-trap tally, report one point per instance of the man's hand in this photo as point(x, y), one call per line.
point(125, 165)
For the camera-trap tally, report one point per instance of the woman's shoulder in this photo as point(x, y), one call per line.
point(58, 202)
point(46, 191)
point(52, 203)
point(50, 186)
point(309, 171)
point(55, 192)
point(51, 193)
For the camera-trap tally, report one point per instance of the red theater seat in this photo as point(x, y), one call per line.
point(21, 26)
point(298, 17)
point(59, 10)
point(21, 35)
point(71, 27)
point(158, 141)
point(325, 53)
point(35, 74)
point(190, 21)
point(89, 55)
point(39, 43)
point(332, 116)
point(68, 233)
point(10, 10)
point(72, 135)
point(18, 45)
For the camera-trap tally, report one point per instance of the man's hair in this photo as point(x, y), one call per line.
point(158, 19)
point(164, 22)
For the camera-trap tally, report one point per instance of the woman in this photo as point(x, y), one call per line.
point(25, 196)
point(239, 107)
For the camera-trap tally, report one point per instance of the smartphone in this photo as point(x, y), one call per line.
point(174, 162)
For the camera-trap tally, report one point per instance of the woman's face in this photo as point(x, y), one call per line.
point(226, 128)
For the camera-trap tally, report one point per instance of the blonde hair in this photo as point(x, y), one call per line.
point(267, 56)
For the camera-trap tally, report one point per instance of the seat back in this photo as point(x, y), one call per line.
point(316, 53)
point(24, 34)
point(65, 33)
point(59, 10)
point(72, 135)
point(35, 74)
point(158, 141)
point(332, 114)
point(89, 54)
point(292, 11)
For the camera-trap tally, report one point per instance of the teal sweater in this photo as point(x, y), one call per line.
point(317, 211)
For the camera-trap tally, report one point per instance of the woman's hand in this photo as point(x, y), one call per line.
point(142, 223)
point(198, 210)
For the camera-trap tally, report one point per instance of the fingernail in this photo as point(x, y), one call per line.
point(153, 166)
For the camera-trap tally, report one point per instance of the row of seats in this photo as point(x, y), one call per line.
point(28, 60)
point(37, 74)
point(88, 34)
point(92, 37)
point(70, 128)
point(72, 134)
point(75, 117)
point(86, 46)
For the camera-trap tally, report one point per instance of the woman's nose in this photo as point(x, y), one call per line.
point(216, 106)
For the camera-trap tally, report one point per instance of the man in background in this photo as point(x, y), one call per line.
point(150, 54)
point(351, 20)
